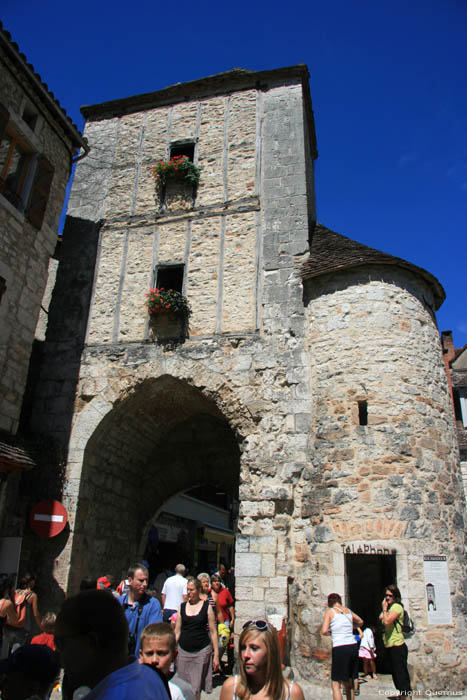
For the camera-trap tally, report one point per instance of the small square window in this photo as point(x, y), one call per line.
point(185, 148)
point(170, 277)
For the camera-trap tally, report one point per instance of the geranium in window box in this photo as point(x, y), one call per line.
point(179, 168)
point(167, 301)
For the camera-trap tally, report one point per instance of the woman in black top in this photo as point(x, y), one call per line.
point(196, 635)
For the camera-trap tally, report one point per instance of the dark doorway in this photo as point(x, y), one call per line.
point(366, 576)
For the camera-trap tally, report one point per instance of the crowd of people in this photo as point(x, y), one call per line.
point(122, 642)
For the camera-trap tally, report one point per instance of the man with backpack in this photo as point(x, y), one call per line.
point(140, 608)
point(392, 617)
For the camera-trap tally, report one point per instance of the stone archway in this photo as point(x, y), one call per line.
point(166, 436)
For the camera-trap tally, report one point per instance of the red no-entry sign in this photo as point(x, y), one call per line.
point(48, 518)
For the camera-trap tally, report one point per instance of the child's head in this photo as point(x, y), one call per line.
point(48, 622)
point(158, 647)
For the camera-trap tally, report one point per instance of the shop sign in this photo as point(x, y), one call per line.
point(367, 549)
point(167, 533)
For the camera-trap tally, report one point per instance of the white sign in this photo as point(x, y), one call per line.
point(437, 591)
point(49, 518)
point(10, 550)
point(167, 533)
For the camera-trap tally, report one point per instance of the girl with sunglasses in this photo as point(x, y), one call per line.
point(260, 666)
point(392, 617)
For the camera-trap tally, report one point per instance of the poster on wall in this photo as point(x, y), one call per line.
point(437, 591)
point(10, 550)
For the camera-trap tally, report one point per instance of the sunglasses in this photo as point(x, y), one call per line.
point(260, 625)
point(389, 595)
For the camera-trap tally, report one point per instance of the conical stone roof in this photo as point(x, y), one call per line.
point(332, 252)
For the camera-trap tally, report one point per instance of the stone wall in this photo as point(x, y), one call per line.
point(216, 241)
point(25, 251)
point(393, 483)
point(242, 259)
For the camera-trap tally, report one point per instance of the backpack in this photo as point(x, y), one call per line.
point(408, 627)
point(20, 603)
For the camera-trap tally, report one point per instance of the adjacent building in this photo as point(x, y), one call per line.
point(38, 143)
point(456, 367)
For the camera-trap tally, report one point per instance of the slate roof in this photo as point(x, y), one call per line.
point(41, 89)
point(15, 453)
point(332, 252)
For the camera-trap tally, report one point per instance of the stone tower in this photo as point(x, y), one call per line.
point(310, 380)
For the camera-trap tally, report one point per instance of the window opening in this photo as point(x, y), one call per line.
point(170, 277)
point(30, 117)
point(186, 148)
point(460, 405)
point(14, 161)
point(2, 287)
point(366, 575)
point(363, 412)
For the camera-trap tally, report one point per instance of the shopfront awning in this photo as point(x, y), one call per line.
point(218, 534)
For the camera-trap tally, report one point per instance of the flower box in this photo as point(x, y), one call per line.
point(179, 168)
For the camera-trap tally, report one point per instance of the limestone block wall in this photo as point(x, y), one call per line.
point(25, 251)
point(217, 240)
point(242, 244)
point(394, 483)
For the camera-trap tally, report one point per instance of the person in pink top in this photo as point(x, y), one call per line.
point(7, 610)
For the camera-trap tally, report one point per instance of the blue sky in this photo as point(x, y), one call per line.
point(388, 84)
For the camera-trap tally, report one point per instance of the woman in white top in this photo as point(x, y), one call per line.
point(260, 667)
point(339, 621)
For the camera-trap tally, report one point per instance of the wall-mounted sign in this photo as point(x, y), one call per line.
point(10, 550)
point(367, 549)
point(437, 590)
point(48, 518)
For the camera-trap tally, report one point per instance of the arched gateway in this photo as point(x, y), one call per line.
point(164, 437)
point(310, 376)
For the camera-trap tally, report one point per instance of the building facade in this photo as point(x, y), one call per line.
point(456, 367)
point(37, 144)
point(309, 383)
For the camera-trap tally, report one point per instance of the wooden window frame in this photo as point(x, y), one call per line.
point(32, 191)
point(14, 196)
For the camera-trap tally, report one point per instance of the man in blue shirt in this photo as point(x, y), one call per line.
point(140, 608)
point(91, 635)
